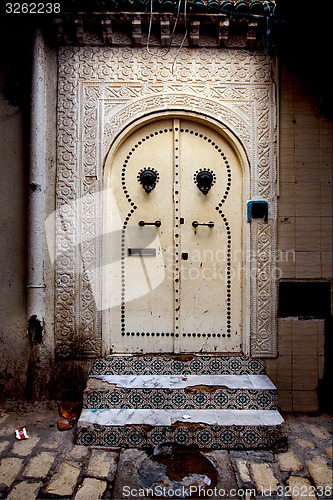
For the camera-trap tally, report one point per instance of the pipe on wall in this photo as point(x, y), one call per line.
point(36, 187)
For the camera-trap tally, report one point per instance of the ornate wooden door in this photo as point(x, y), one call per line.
point(177, 277)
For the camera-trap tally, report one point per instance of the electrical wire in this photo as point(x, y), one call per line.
point(175, 24)
point(150, 24)
point(184, 38)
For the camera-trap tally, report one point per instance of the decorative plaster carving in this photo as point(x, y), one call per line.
point(104, 89)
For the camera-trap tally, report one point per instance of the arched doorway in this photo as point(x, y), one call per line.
point(174, 214)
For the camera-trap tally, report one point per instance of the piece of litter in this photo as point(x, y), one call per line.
point(21, 433)
point(184, 377)
point(93, 411)
point(186, 417)
point(207, 481)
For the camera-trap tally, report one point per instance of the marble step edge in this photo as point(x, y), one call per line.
point(90, 418)
point(212, 382)
point(137, 364)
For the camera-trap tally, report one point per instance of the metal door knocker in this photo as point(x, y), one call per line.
point(148, 178)
point(204, 179)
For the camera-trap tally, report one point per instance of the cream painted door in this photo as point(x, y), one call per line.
point(177, 273)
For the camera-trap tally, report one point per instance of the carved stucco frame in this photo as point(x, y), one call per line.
point(97, 100)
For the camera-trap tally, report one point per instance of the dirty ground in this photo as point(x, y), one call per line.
point(49, 465)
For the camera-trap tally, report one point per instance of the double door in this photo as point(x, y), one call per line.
point(176, 281)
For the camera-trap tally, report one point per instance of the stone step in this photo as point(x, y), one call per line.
point(208, 401)
point(173, 364)
point(209, 428)
point(241, 392)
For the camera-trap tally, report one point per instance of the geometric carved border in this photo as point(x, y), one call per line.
point(101, 90)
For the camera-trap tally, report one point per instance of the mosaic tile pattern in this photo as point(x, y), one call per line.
point(198, 434)
point(201, 435)
point(175, 365)
point(229, 399)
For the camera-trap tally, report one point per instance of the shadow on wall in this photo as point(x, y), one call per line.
point(310, 60)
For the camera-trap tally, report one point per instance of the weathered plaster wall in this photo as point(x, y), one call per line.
point(304, 235)
point(14, 346)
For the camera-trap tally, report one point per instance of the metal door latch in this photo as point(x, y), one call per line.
point(157, 223)
point(195, 223)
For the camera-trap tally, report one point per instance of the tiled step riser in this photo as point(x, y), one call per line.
point(171, 365)
point(225, 403)
point(201, 436)
point(238, 399)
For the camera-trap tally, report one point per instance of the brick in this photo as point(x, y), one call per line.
point(318, 431)
point(25, 446)
point(305, 401)
point(284, 337)
point(301, 488)
point(285, 400)
point(64, 482)
point(91, 488)
point(3, 417)
point(8, 430)
point(39, 465)
point(305, 372)
point(78, 452)
point(284, 373)
point(3, 445)
point(226, 476)
point(25, 490)
point(9, 468)
point(305, 443)
point(321, 366)
point(308, 264)
point(130, 461)
point(264, 478)
point(287, 230)
point(304, 332)
point(243, 471)
point(328, 452)
point(308, 234)
point(321, 336)
point(320, 472)
point(55, 440)
point(289, 461)
point(102, 463)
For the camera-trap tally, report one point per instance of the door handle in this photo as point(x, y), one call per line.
point(157, 223)
point(195, 223)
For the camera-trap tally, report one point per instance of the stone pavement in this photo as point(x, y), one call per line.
point(49, 465)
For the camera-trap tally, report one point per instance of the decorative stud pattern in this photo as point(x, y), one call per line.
point(176, 228)
point(130, 155)
point(227, 228)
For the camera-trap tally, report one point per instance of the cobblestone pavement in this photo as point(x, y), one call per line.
point(49, 465)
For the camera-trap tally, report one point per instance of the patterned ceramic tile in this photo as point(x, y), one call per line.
point(203, 436)
point(176, 365)
point(238, 399)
